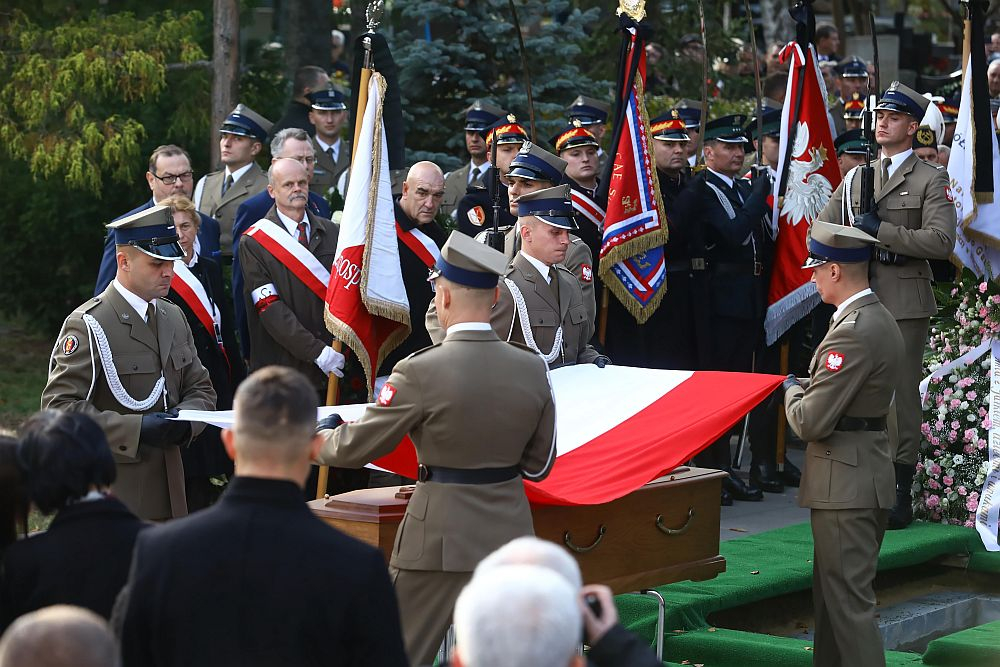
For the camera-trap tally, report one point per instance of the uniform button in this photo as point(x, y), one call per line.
point(135, 367)
point(122, 448)
point(828, 452)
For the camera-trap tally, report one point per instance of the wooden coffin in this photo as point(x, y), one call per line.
point(664, 532)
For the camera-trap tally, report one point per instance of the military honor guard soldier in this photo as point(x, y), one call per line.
point(575, 145)
point(475, 210)
point(469, 498)
point(841, 412)
point(854, 112)
point(479, 116)
point(925, 144)
point(127, 358)
point(328, 113)
point(593, 115)
point(852, 149)
point(914, 221)
point(853, 81)
point(220, 193)
point(690, 112)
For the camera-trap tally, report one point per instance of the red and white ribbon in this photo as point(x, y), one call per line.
point(292, 255)
point(190, 289)
point(422, 245)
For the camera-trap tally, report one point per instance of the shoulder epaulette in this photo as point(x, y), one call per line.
point(88, 305)
point(421, 351)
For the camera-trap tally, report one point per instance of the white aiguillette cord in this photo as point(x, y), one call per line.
point(529, 338)
point(111, 373)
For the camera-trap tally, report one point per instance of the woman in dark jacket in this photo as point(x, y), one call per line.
point(84, 557)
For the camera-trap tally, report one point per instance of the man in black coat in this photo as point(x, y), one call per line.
point(256, 579)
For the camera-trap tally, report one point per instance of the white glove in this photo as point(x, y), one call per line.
point(331, 361)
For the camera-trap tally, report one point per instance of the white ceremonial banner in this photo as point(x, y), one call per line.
point(988, 514)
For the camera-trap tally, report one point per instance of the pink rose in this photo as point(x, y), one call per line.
point(969, 524)
point(954, 404)
point(974, 495)
point(948, 481)
point(969, 448)
point(982, 287)
point(962, 491)
point(932, 502)
point(971, 395)
point(972, 504)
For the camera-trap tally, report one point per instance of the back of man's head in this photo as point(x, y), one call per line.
point(530, 550)
point(521, 615)
point(309, 78)
point(59, 636)
point(275, 421)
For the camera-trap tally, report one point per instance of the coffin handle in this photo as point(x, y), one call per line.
point(675, 531)
point(568, 541)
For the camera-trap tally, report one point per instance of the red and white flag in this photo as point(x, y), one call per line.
point(812, 176)
point(617, 428)
point(366, 304)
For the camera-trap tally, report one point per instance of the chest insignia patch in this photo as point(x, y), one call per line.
point(70, 344)
point(834, 362)
point(477, 216)
point(386, 395)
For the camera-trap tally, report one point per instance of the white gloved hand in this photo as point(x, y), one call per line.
point(331, 361)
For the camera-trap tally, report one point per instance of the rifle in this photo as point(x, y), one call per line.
point(867, 200)
point(494, 238)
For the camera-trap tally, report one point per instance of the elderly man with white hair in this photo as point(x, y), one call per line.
point(611, 645)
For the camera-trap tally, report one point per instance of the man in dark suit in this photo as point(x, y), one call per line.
point(283, 587)
point(169, 174)
point(737, 241)
point(294, 144)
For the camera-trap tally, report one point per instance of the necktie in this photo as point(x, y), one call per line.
point(474, 177)
point(303, 238)
point(228, 183)
point(329, 151)
point(151, 319)
point(885, 170)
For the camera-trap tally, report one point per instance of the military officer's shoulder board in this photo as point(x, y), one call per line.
point(420, 351)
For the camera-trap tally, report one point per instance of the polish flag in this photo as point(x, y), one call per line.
point(366, 304)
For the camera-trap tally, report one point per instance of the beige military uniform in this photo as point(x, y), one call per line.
point(150, 480)
point(223, 207)
point(456, 183)
point(327, 173)
point(848, 479)
point(449, 528)
point(918, 221)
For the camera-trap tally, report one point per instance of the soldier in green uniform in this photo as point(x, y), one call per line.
point(914, 221)
point(469, 499)
point(480, 115)
point(841, 413)
point(220, 193)
point(328, 114)
point(127, 358)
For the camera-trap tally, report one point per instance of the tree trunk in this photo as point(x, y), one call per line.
point(225, 66)
point(307, 34)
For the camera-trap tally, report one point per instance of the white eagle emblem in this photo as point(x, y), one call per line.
point(808, 191)
point(834, 361)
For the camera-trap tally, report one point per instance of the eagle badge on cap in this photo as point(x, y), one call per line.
point(477, 216)
point(70, 344)
point(511, 118)
point(834, 361)
point(577, 123)
point(386, 395)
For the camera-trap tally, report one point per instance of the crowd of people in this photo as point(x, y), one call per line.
point(207, 299)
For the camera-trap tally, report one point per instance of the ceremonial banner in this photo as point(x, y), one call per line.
point(811, 176)
point(366, 304)
point(617, 427)
point(978, 223)
point(632, 263)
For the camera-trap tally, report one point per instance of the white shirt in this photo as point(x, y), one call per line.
point(542, 267)
point(482, 169)
point(238, 174)
point(325, 147)
point(725, 179)
point(468, 326)
point(291, 225)
point(134, 300)
point(848, 301)
point(897, 160)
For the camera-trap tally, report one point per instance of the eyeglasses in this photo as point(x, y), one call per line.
point(170, 179)
point(304, 159)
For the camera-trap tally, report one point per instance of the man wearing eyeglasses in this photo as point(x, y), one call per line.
point(169, 174)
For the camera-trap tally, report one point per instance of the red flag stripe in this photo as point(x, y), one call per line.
point(193, 301)
point(315, 283)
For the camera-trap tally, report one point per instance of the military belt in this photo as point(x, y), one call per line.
point(444, 475)
point(860, 424)
point(684, 265)
point(737, 268)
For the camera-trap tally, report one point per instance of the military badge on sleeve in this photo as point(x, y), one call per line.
point(586, 273)
point(948, 194)
point(834, 362)
point(477, 216)
point(70, 344)
point(386, 395)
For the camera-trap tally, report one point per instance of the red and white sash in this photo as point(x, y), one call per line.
point(190, 289)
point(292, 255)
point(422, 245)
point(588, 208)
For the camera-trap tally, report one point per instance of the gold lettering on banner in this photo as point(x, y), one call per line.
point(628, 206)
point(640, 261)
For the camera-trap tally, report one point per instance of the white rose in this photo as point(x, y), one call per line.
point(958, 393)
point(971, 418)
point(958, 459)
point(964, 405)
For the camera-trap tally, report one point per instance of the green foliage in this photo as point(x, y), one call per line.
point(71, 94)
point(474, 53)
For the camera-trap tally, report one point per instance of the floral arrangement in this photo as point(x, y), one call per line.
point(954, 461)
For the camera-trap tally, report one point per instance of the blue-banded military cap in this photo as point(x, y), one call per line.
point(853, 142)
point(151, 231)
point(903, 99)
point(482, 114)
point(728, 129)
point(329, 99)
point(245, 122)
point(553, 206)
point(852, 67)
point(925, 137)
point(690, 112)
point(588, 111)
point(669, 127)
point(534, 163)
point(837, 243)
point(468, 262)
point(770, 124)
point(505, 131)
point(573, 135)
